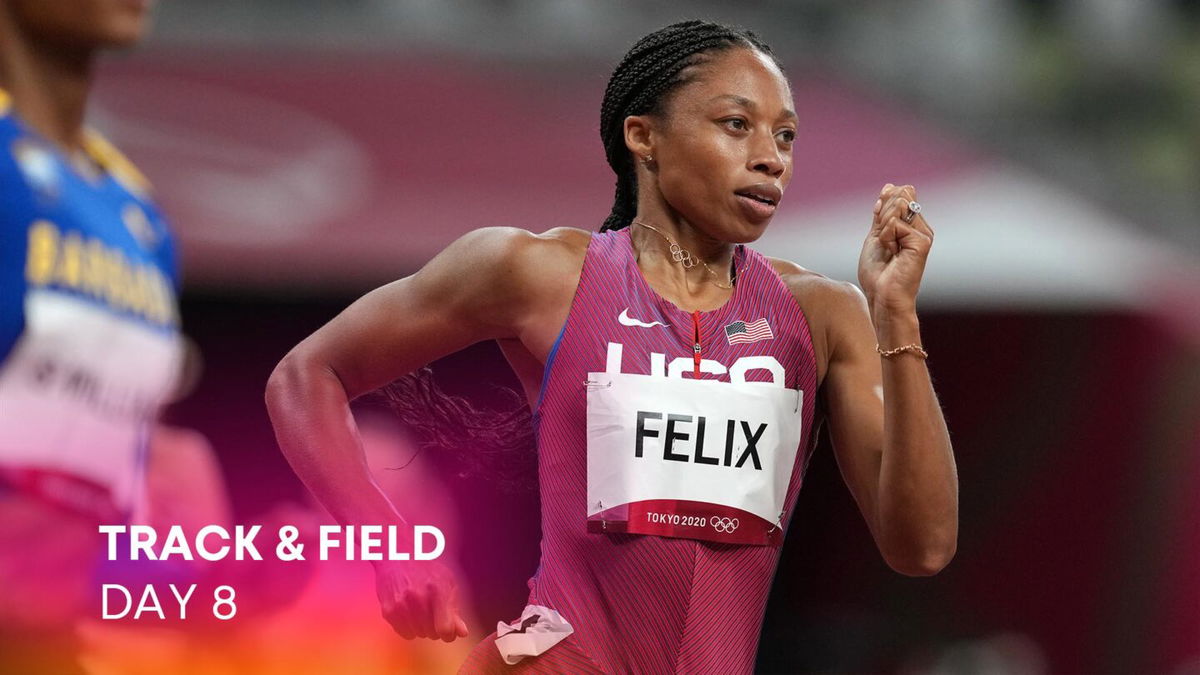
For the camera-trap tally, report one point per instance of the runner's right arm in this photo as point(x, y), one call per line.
point(478, 288)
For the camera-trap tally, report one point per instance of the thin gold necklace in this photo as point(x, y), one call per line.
point(684, 257)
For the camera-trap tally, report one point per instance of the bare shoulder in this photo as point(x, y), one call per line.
point(829, 305)
point(568, 243)
point(553, 262)
point(508, 245)
point(511, 277)
point(815, 291)
point(503, 258)
point(501, 241)
point(537, 261)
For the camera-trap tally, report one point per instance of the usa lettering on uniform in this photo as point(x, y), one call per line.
point(677, 367)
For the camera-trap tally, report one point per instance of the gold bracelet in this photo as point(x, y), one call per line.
point(906, 348)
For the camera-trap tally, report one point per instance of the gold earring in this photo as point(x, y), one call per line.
point(647, 159)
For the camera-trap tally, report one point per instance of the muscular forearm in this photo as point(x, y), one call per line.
point(918, 483)
point(317, 434)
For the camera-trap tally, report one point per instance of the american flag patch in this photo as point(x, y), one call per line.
point(741, 332)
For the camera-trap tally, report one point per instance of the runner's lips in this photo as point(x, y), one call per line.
point(763, 192)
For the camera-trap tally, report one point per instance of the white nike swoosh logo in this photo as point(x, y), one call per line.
point(627, 320)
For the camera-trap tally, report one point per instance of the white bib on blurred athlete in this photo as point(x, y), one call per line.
point(76, 394)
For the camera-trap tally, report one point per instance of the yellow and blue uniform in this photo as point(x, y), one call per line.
point(89, 328)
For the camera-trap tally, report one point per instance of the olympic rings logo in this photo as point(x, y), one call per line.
point(724, 525)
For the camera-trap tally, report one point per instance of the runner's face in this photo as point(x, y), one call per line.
point(731, 128)
point(82, 24)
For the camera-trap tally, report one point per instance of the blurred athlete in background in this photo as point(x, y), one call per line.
point(89, 332)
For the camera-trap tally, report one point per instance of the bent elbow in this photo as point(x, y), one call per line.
point(283, 382)
point(926, 565)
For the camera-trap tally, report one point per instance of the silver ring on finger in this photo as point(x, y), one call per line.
point(913, 209)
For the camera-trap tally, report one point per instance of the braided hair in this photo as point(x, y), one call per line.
point(651, 71)
point(498, 444)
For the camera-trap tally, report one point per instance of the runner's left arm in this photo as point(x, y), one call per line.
point(889, 434)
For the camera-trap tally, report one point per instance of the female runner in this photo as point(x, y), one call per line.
point(677, 378)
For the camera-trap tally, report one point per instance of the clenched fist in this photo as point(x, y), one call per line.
point(894, 253)
point(419, 599)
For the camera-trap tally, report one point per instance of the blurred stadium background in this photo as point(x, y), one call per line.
point(308, 151)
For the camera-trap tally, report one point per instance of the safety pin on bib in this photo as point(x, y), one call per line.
point(778, 524)
point(595, 384)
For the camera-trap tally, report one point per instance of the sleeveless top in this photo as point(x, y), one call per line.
point(89, 327)
point(645, 603)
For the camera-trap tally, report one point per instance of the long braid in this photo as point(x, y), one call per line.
point(491, 439)
point(654, 67)
point(498, 444)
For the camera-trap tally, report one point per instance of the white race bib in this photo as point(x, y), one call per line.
point(700, 459)
point(76, 395)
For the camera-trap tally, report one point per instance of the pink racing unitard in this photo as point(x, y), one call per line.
point(671, 449)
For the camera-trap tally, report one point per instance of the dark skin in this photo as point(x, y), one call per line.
point(47, 51)
point(730, 128)
point(46, 55)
